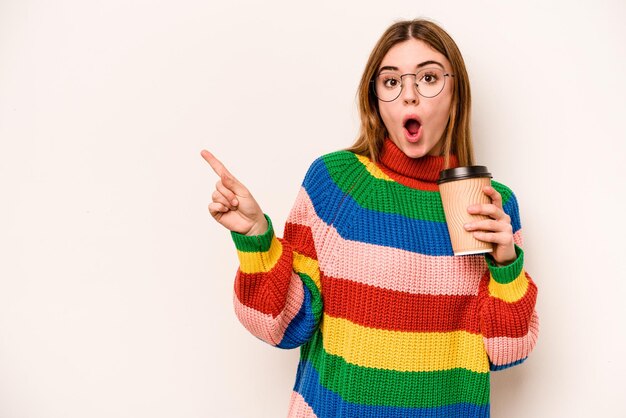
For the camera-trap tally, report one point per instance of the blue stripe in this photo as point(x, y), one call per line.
point(495, 368)
point(511, 209)
point(328, 404)
point(302, 326)
point(356, 223)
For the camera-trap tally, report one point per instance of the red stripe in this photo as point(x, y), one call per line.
point(301, 238)
point(375, 307)
point(506, 319)
point(267, 292)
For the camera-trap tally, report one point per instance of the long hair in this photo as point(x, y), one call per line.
point(457, 135)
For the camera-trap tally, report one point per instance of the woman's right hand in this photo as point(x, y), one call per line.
point(233, 206)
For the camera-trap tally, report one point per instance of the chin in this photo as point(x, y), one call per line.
point(413, 152)
point(417, 155)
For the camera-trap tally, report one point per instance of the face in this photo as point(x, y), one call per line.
point(432, 113)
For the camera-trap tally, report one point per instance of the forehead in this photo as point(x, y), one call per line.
point(407, 55)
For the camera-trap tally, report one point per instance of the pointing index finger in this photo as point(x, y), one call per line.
point(215, 164)
point(227, 179)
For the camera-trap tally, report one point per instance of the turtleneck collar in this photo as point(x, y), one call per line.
point(414, 172)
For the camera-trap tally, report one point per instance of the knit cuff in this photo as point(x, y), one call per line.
point(254, 243)
point(506, 274)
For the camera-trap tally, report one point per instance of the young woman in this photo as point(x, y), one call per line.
point(390, 322)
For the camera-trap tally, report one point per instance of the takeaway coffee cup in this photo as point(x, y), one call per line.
point(461, 187)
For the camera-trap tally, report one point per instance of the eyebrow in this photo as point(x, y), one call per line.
point(420, 65)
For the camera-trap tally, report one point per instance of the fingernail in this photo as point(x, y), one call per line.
point(467, 226)
point(234, 202)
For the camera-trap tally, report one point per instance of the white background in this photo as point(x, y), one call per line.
point(115, 283)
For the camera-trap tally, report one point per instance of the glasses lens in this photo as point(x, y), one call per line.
point(430, 81)
point(388, 86)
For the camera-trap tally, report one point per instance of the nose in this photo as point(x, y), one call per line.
point(409, 90)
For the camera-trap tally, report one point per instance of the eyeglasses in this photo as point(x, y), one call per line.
point(429, 82)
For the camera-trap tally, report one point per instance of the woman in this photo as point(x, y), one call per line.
point(390, 323)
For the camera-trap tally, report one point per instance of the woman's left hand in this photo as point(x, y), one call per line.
point(497, 230)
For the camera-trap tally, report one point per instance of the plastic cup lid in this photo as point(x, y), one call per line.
point(465, 172)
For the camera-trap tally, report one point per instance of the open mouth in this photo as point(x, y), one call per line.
point(412, 126)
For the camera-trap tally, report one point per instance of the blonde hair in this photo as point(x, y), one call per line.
point(457, 135)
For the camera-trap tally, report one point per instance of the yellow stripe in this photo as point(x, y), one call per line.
point(308, 266)
point(403, 351)
point(260, 262)
point(510, 292)
point(373, 169)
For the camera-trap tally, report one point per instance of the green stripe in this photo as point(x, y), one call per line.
point(378, 387)
point(254, 243)
point(316, 298)
point(382, 195)
point(387, 196)
point(506, 274)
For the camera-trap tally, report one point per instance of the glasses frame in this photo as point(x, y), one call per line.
point(416, 85)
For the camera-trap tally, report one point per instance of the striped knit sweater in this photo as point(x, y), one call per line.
point(390, 323)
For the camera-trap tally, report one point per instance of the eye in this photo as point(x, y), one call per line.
point(390, 81)
point(430, 77)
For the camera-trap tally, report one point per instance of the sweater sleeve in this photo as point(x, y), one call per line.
point(507, 296)
point(277, 286)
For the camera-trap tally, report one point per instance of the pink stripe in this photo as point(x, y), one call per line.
point(505, 350)
point(393, 268)
point(518, 238)
point(265, 326)
point(298, 408)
